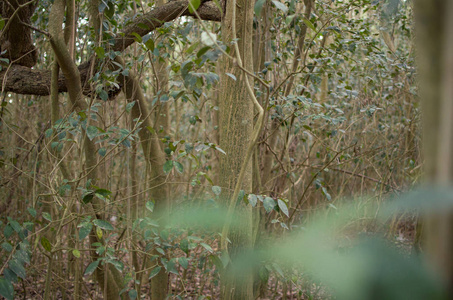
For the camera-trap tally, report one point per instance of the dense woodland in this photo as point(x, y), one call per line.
point(268, 149)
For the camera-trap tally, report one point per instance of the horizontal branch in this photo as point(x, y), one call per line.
point(23, 80)
point(148, 22)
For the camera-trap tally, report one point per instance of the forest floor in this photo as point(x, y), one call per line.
point(205, 284)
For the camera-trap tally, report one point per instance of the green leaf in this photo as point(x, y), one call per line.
point(203, 51)
point(193, 5)
point(289, 19)
point(138, 38)
point(7, 246)
point(110, 10)
point(207, 247)
point(15, 225)
point(220, 150)
point(150, 206)
point(99, 232)
point(22, 255)
point(2, 23)
point(192, 48)
point(102, 151)
point(46, 244)
point(92, 132)
point(32, 211)
point(63, 189)
point(10, 275)
point(268, 204)
point(183, 262)
point(280, 6)
point(184, 246)
point(164, 234)
point(179, 167)
point(259, 6)
point(232, 76)
point(28, 226)
point(82, 115)
point(103, 224)
point(8, 231)
point(216, 190)
point(49, 132)
point(253, 199)
point(102, 194)
point(85, 230)
point(87, 197)
point(76, 253)
point(168, 166)
point(17, 268)
point(154, 272)
point(6, 289)
point(283, 207)
point(309, 24)
point(326, 193)
point(100, 52)
point(150, 44)
point(217, 261)
point(129, 106)
point(91, 268)
point(101, 249)
point(133, 294)
point(118, 265)
point(102, 6)
point(171, 266)
point(103, 95)
point(47, 216)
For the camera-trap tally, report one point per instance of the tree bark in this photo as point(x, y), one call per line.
point(434, 34)
point(15, 38)
point(236, 127)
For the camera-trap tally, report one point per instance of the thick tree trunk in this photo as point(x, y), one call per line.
point(435, 67)
point(236, 127)
point(15, 38)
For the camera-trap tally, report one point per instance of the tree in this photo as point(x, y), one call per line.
point(236, 137)
point(434, 45)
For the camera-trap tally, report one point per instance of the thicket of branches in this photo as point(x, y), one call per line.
point(111, 125)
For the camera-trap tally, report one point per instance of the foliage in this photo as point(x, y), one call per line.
point(347, 128)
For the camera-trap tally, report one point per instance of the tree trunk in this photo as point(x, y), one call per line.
point(155, 157)
point(15, 40)
point(433, 20)
point(159, 283)
point(236, 127)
